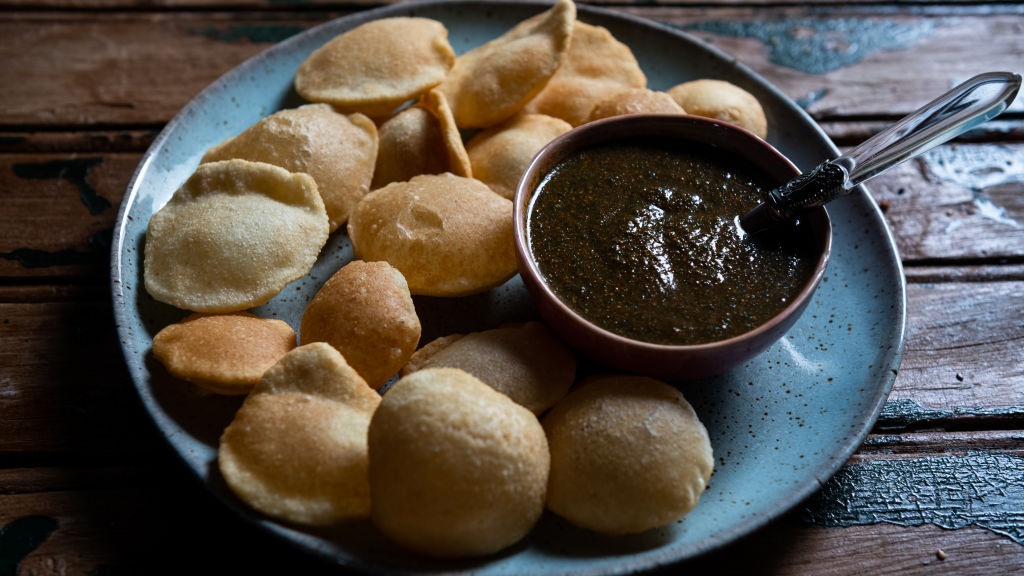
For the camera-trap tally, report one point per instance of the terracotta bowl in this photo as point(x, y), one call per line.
point(660, 360)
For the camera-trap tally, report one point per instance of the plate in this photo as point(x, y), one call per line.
point(780, 424)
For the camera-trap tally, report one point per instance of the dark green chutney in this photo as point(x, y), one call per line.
point(643, 240)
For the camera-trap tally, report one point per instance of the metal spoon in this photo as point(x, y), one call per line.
point(975, 101)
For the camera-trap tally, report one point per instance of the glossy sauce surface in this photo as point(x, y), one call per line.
point(643, 239)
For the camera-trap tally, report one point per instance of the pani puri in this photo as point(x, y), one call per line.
point(596, 65)
point(456, 468)
point(223, 353)
point(366, 312)
point(411, 141)
point(448, 235)
point(723, 101)
point(628, 454)
point(377, 66)
point(234, 235)
point(338, 151)
point(297, 448)
point(525, 362)
point(635, 101)
point(458, 160)
point(494, 81)
point(500, 155)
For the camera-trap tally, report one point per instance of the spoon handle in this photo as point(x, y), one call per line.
point(974, 102)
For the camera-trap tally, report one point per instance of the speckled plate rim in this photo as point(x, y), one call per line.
point(792, 497)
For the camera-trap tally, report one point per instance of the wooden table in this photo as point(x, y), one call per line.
point(87, 486)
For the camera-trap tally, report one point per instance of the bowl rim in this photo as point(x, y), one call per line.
point(624, 128)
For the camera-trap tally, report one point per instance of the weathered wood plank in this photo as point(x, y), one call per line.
point(63, 383)
point(848, 133)
point(958, 203)
point(85, 532)
point(790, 548)
point(958, 369)
point(40, 293)
point(864, 61)
point(59, 213)
point(961, 201)
point(909, 445)
point(123, 69)
point(95, 519)
point(962, 354)
point(950, 491)
point(934, 274)
point(81, 142)
point(127, 68)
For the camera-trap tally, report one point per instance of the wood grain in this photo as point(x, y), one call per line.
point(850, 62)
point(59, 213)
point(791, 548)
point(61, 207)
point(957, 202)
point(957, 331)
point(910, 445)
point(963, 346)
point(123, 69)
point(141, 68)
point(105, 521)
point(64, 388)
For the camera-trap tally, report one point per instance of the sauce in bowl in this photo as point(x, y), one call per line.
point(643, 239)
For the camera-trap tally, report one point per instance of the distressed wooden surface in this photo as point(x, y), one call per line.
point(87, 486)
point(106, 68)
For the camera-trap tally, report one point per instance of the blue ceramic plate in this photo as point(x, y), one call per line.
point(780, 424)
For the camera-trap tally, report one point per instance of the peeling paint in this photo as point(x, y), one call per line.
point(75, 171)
point(269, 34)
point(32, 258)
point(883, 440)
point(817, 46)
point(906, 413)
point(19, 538)
point(99, 244)
point(810, 99)
point(8, 388)
point(976, 489)
point(903, 413)
point(953, 226)
point(989, 211)
point(976, 167)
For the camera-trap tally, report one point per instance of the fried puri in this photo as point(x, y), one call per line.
point(628, 454)
point(411, 142)
point(501, 154)
point(233, 236)
point(595, 66)
point(448, 235)
point(723, 101)
point(223, 353)
point(635, 101)
point(366, 312)
point(377, 66)
point(338, 151)
point(494, 81)
point(297, 448)
point(525, 362)
point(458, 160)
point(456, 468)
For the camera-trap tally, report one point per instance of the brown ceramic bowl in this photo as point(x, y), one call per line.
point(661, 360)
